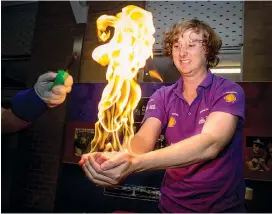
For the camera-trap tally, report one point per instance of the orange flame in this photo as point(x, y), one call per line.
point(155, 74)
point(124, 54)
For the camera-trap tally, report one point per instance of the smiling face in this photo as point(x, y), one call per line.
point(189, 53)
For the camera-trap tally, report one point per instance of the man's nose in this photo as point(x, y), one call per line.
point(183, 51)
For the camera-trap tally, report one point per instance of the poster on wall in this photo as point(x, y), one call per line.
point(82, 137)
point(78, 136)
point(258, 158)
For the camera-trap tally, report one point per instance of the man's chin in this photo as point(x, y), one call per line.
point(186, 72)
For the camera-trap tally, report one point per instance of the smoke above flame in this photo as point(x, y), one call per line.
point(127, 52)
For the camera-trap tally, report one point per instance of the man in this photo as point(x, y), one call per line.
point(202, 116)
point(259, 157)
point(28, 105)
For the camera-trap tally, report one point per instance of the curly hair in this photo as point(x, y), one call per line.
point(211, 40)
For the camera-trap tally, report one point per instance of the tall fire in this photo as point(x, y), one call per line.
point(125, 53)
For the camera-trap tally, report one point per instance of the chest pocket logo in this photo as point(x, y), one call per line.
point(172, 122)
point(202, 120)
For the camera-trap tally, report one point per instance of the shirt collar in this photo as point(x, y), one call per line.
point(205, 83)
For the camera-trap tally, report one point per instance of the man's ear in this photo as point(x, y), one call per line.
point(206, 50)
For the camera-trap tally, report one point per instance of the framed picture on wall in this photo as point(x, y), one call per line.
point(258, 157)
point(82, 139)
point(78, 136)
point(257, 154)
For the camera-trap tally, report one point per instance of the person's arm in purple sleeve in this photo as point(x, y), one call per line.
point(152, 125)
point(145, 139)
point(217, 132)
point(28, 105)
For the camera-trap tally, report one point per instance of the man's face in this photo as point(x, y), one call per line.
point(256, 148)
point(189, 54)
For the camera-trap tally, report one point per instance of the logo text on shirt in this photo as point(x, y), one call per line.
point(230, 92)
point(206, 109)
point(152, 106)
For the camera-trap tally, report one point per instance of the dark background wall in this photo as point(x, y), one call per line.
point(257, 67)
point(36, 162)
point(257, 52)
point(35, 179)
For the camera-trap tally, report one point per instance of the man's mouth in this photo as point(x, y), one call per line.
point(185, 61)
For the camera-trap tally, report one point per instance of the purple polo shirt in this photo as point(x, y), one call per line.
point(209, 186)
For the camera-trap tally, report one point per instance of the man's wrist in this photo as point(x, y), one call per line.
point(137, 163)
point(27, 105)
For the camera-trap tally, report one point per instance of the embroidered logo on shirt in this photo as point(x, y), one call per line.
point(172, 122)
point(206, 109)
point(152, 106)
point(230, 92)
point(202, 120)
point(230, 98)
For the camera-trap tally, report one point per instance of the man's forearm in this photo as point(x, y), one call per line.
point(138, 145)
point(10, 122)
point(187, 152)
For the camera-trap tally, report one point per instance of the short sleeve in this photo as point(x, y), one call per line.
point(229, 98)
point(156, 107)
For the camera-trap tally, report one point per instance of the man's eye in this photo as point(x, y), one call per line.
point(192, 45)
